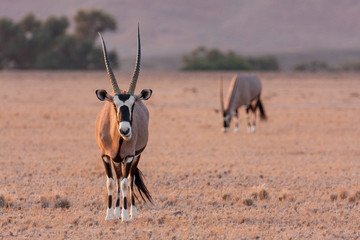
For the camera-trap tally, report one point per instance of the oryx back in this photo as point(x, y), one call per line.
point(107, 132)
point(243, 89)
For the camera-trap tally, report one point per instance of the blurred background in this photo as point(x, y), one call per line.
point(263, 35)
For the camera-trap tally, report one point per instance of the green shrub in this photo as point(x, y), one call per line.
point(312, 66)
point(202, 58)
point(35, 44)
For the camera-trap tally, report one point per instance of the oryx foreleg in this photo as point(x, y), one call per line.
point(118, 171)
point(236, 121)
point(253, 106)
point(253, 109)
point(110, 185)
point(248, 117)
point(124, 187)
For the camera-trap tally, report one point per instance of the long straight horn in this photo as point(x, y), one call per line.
point(110, 73)
point(137, 66)
point(221, 95)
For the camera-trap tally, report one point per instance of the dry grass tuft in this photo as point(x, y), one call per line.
point(2, 202)
point(248, 202)
point(161, 220)
point(259, 192)
point(226, 197)
point(55, 202)
point(352, 199)
point(7, 202)
point(44, 202)
point(263, 194)
point(62, 203)
point(283, 196)
point(333, 197)
point(254, 195)
point(76, 221)
point(344, 194)
point(357, 195)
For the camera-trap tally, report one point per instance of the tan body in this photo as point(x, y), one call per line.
point(121, 132)
point(108, 136)
point(243, 89)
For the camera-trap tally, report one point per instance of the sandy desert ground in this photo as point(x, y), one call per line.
point(297, 177)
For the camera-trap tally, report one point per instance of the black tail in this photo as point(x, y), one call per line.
point(262, 110)
point(142, 189)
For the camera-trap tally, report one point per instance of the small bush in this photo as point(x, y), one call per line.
point(202, 58)
point(312, 66)
point(62, 203)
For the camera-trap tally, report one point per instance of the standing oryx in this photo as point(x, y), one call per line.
point(244, 90)
point(122, 133)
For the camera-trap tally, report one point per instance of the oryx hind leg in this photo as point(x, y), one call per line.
point(251, 120)
point(118, 171)
point(236, 130)
point(124, 184)
point(110, 185)
point(253, 110)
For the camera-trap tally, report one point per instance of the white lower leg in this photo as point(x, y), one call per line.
point(254, 129)
point(236, 125)
point(110, 184)
point(117, 212)
point(254, 122)
point(117, 207)
point(249, 123)
point(109, 214)
point(133, 212)
point(124, 187)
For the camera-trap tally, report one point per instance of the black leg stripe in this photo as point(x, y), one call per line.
point(133, 201)
point(125, 203)
point(108, 169)
point(118, 202)
point(110, 201)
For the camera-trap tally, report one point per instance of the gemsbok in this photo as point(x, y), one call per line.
point(244, 90)
point(122, 134)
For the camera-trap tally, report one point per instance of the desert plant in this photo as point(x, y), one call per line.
point(202, 58)
point(36, 44)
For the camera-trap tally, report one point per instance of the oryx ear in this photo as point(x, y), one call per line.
point(144, 95)
point(103, 95)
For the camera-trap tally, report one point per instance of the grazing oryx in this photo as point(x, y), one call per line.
point(122, 133)
point(244, 90)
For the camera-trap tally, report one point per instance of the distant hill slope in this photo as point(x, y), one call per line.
point(171, 28)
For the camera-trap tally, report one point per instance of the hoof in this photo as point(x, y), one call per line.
point(109, 214)
point(117, 213)
point(125, 215)
point(133, 212)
